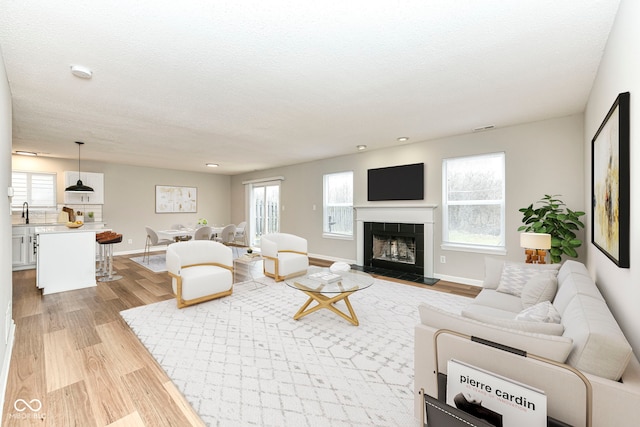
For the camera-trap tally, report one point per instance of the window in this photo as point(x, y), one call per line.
point(473, 201)
point(37, 189)
point(338, 205)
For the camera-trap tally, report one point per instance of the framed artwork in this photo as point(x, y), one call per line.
point(172, 199)
point(610, 183)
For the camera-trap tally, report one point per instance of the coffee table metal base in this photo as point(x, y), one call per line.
point(328, 303)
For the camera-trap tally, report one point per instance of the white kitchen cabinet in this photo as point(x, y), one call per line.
point(23, 245)
point(32, 248)
point(93, 180)
point(66, 259)
point(18, 253)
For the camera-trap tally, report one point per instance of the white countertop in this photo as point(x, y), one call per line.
point(57, 224)
point(61, 228)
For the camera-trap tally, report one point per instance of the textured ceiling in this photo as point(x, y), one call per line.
point(257, 84)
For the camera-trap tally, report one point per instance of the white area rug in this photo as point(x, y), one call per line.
point(155, 263)
point(242, 360)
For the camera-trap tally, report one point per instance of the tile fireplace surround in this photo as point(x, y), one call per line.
point(422, 214)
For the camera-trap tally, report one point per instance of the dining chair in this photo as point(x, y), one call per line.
point(227, 235)
point(203, 233)
point(153, 240)
point(240, 235)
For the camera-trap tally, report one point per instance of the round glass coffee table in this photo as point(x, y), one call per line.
point(326, 288)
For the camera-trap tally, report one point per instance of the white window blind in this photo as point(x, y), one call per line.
point(36, 188)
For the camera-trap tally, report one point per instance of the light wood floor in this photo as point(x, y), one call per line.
point(75, 355)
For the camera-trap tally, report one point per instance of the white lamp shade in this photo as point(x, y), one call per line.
point(535, 240)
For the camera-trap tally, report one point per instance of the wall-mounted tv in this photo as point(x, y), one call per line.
point(405, 182)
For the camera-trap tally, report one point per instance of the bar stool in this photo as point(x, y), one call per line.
point(101, 269)
point(106, 244)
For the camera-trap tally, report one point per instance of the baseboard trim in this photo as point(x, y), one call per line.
point(4, 375)
point(461, 280)
point(332, 259)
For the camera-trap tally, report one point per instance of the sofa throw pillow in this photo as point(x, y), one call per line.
point(492, 272)
point(539, 288)
point(541, 312)
point(516, 274)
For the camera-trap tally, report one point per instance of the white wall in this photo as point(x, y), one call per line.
point(542, 158)
point(130, 195)
point(619, 72)
point(6, 291)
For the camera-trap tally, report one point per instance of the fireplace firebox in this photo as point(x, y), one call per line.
point(394, 246)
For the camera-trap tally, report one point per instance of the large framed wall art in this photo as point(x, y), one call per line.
point(171, 199)
point(610, 183)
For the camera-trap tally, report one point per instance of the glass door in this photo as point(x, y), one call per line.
point(265, 210)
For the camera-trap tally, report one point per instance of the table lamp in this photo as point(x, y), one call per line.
point(535, 246)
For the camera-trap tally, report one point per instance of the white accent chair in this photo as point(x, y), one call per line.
point(201, 270)
point(153, 240)
point(284, 255)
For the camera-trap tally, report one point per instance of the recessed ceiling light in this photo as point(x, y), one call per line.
point(26, 153)
point(81, 71)
point(361, 147)
point(403, 139)
point(212, 165)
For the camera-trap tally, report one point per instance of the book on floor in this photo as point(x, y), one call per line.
point(500, 401)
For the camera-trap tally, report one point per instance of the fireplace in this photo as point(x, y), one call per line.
point(394, 246)
point(419, 216)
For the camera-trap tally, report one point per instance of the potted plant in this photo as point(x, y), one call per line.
point(553, 217)
point(90, 217)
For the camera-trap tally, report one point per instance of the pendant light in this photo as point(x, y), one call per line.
point(79, 187)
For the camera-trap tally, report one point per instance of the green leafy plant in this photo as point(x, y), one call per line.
point(553, 217)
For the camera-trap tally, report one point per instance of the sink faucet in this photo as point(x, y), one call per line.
point(25, 205)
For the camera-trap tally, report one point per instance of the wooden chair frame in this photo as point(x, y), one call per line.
point(185, 303)
point(276, 275)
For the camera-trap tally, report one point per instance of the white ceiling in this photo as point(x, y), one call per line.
point(256, 84)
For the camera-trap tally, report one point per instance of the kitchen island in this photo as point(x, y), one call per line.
point(66, 258)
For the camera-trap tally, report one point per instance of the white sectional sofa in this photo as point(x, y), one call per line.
point(519, 307)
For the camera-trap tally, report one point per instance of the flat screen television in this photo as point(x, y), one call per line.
point(405, 182)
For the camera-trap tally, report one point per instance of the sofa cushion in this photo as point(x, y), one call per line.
point(570, 286)
point(541, 312)
point(570, 267)
point(541, 287)
point(516, 274)
point(551, 346)
point(494, 299)
point(498, 317)
point(492, 272)
point(481, 312)
point(599, 346)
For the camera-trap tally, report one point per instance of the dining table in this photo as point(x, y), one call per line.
point(184, 233)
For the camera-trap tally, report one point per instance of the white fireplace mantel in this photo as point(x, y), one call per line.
point(406, 214)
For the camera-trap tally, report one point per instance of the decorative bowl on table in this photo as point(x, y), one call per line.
point(76, 224)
